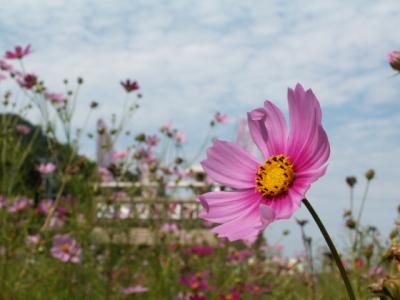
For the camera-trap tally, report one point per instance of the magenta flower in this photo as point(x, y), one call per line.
point(46, 169)
point(28, 81)
point(66, 249)
point(271, 190)
point(130, 86)
point(394, 60)
point(18, 53)
point(134, 289)
point(220, 118)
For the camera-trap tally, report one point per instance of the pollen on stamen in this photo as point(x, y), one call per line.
point(275, 176)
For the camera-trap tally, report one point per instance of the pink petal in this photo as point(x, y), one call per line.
point(227, 206)
point(268, 128)
point(229, 165)
point(238, 211)
point(284, 205)
point(267, 215)
point(307, 143)
point(256, 120)
point(276, 128)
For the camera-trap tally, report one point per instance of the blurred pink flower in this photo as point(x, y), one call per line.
point(105, 174)
point(180, 137)
point(66, 249)
point(239, 255)
point(196, 281)
point(19, 205)
point(169, 227)
point(33, 239)
point(152, 140)
point(18, 53)
point(134, 289)
point(130, 86)
point(46, 169)
point(5, 66)
point(120, 155)
point(394, 60)
point(45, 206)
point(220, 118)
point(23, 129)
point(2, 77)
point(165, 127)
point(272, 190)
point(28, 81)
point(56, 97)
point(201, 250)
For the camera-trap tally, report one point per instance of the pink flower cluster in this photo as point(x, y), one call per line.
point(66, 249)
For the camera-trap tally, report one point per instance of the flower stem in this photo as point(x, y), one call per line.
point(332, 248)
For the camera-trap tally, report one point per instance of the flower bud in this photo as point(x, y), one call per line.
point(301, 222)
point(351, 181)
point(368, 251)
point(350, 223)
point(370, 174)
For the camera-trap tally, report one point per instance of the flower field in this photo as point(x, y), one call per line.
point(146, 221)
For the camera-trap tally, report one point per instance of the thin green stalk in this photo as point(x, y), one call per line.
point(332, 248)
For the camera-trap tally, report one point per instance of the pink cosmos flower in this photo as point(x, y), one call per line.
point(66, 249)
point(180, 137)
point(152, 140)
point(130, 86)
point(19, 205)
point(23, 129)
point(196, 281)
point(55, 97)
point(46, 169)
point(273, 189)
point(134, 289)
point(394, 60)
point(165, 127)
point(169, 227)
point(28, 81)
point(18, 53)
point(45, 206)
point(105, 175)
point(5, 66)
point(120, 155)
point(220, 118)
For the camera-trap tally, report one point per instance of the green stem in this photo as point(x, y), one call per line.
point(332, 248)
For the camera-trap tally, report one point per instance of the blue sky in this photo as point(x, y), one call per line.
point(193, 58)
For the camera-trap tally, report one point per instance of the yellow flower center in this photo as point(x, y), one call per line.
point(64, 248)
point(275, 176)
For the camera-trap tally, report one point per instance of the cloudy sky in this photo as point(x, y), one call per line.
point(193, 58)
